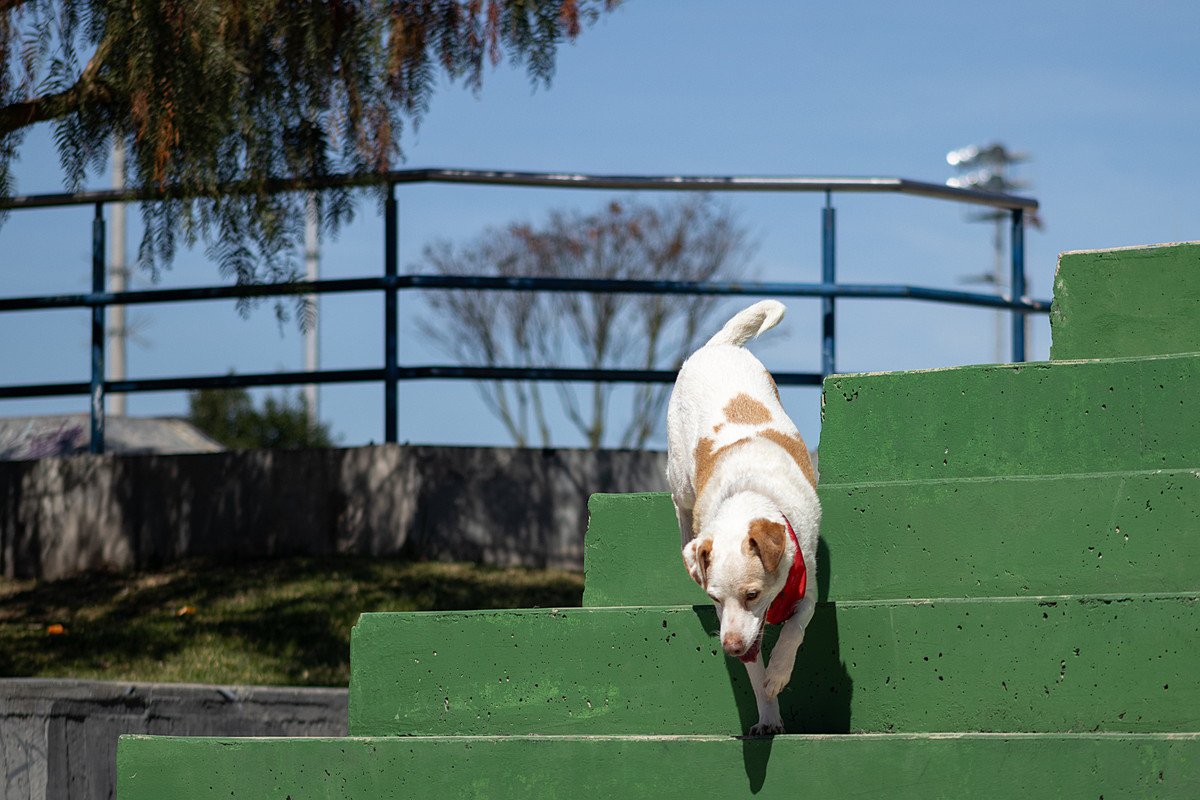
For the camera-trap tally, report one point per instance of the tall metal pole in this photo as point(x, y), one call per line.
point(986, 167)
point(312, 267)
point(828, 277)
point(1018, 283)
point(118, 274)
point(98, 333)
point(998, 279)
point(390, 354)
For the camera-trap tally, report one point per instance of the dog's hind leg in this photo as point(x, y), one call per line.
point(770, 721)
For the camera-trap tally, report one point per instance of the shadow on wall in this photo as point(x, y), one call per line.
point(495, 506)
point(519, 507)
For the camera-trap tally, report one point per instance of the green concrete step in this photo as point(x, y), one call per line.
point(1103, 663)
point(975, 537)
point(1053, 418)
point(631, 554)
point(1130, 301)
point(898, 767)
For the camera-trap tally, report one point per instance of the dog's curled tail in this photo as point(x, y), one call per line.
point(749, 323)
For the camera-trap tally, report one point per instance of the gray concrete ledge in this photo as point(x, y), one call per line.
point(58, 738)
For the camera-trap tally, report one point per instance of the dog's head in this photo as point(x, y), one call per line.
point(738, 559)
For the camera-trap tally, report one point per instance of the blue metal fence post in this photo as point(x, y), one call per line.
point(828, 277)
point(390, 355)
point(1017, 245)
point(96, 444)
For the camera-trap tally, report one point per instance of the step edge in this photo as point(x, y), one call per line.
point(1131, 473)
point(1018, 366)
point(1128, 247)
point(1019, 477)
point(698, 737)
point(1040, 599)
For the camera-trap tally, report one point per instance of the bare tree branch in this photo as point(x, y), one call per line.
point(690, 240)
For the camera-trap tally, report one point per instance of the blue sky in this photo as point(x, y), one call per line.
point(1103, 94)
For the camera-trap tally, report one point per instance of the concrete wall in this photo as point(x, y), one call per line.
point(61, 516)
point(58, 738)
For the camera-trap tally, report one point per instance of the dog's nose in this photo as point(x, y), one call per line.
point(733, 644)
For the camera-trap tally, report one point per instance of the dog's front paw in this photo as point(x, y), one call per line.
point(771, 728)
point(779, 673)
point(770, 721)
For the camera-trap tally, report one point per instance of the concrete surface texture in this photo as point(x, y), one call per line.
point(1036, 665)
point(996, 537)
point(896, 767)
point(1130, 302)
point(499, 506)
point(1052, 418)
point(1009, 610)
point(58, 738)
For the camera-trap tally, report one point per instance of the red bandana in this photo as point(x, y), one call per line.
point(784, 605)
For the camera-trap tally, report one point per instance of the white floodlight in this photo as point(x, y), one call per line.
point(994, 155)
point(963, 156)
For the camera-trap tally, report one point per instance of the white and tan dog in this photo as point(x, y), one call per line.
point(745, 495)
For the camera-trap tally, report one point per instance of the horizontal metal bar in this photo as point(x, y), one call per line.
point(429, 372)
point(245, 380)
point(570, 374)
point(332, 286)
point(710, 183)
point(717, 183)
point(757, 288)
point(45, 390)
point(234, 381)
point(182, 294)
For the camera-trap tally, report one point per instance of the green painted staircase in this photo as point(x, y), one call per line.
point(1010, 572)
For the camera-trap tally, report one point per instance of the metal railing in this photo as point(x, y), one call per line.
point(391, 283)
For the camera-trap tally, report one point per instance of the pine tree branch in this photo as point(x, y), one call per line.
point(87, 88)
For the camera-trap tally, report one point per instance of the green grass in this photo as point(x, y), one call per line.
point(284, 622)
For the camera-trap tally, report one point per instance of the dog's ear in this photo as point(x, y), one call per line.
point(767, 540)
point(697, 556)
point(704, 560)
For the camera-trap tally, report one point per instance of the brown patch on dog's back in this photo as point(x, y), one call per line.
point(745, 410)
point(795, 448)
point(706, 461)
point(767, 540)
point(718, 426)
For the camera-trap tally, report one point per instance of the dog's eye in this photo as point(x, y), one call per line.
point(751, 595)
